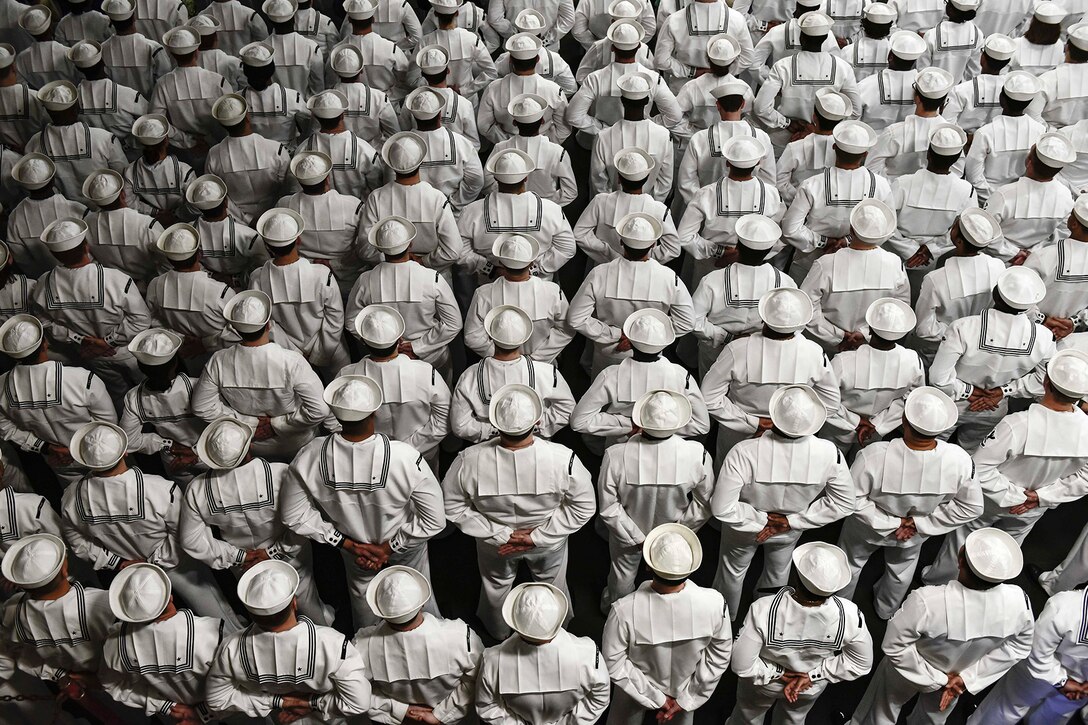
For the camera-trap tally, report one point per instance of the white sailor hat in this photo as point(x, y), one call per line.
point(757, 232)
point(64, 234)
point(1068, 372)
point(785, 309)
point(85, 54)
point(744, 152)
point(178, 242)
point(508, 326)
point(730, 87)
point(346, 61)
point(1078, 35)
point(639, 230)
point(397, 593)
point(933, 82)
point(822, 568)
point(311, 167)
point(661, 412)
point(379, 326)
point(626, 34)
point(268, 587)
point(433, 59)
point(391, 234)
point(854, 137)
point(999, 46)
point(257, 55)
point(155, 346)
point(947, 139)
point(535, 610)
point(515, 409)
point(523, 46)
point(510, 166)
point(649, 330)
point(881, 13)
point(1020, 85)
point(33, 171)
point(280, 227)
point(625, 9)
point(7, 55)
point(722, 49)
point(979, 227)
point(360, 9)
point(672, 551)
point(224, 443)
point(280, 11)
point(20, 336)
point(103, 186)
point(5, 256)
point(1080, 209)
point(1055, 150)
point(230, 109)
point(527, 107)
point(181, 40)
point(98, 445)
point(1049, 12)
point(814, 23)
point(206, 192)
point(248, 311)
point(907, 45)
point(36, 19)
point(205, 24)
point(930, 411)
point(151, 129)
point(633, 163)
point(797, 411)
point(832, 105)
point(328, 104)
point(993, 555)
point(58, 95)
point(1020, 287)
point(965, 5)
point(530, 21)
point(139, 593)
point(635, 86)
point(404, 152)
point(34, 561)
point(890, 318)
point(872, 221)
point(515, 250)
point(119, 10)
point(353, 397)
point(446, 7)
point(425, 103)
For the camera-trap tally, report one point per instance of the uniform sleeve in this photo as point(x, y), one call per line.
point(901, 645)
point(816, 284)
point(794, 229)
point(198, 540)
point(961, 509)
point(581, 317)
point(764, 108)
point(138, 441)
point(491, 129)
point(460, 512)
point(615, 643)
point(82, 545)
point(989, 668)
point(350, 693)
point(558, 406)
point(942, 373)
point(560, 334)
point(746, 662)
point(590, 417)
point(463, 420)
point(585, 234)
point(716, 393)
point(692, 223)
point(128, 689)
point(834, 503)
point(309, 392)
point(668, 109)
point(853, 661)
point(1052, 627)
point(563, 247)
point(709, 670)
point(621, 526)
point(447, 323)
point(299, 513)
point(699, 424)
point(600, 181)
point(574, 511)
point(578, 109)
point(208, 404)
point(890, 417)
point(929, 328)
point(1000, 446)
point(226, 694)
point(725, 503)
point(566, 182)
point(456, 705)
point(595, 700)
point(427, 437)
point(428, 515)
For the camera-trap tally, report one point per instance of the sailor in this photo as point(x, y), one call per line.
point(261, 383)
point(985, 359)
point(955, 638)
point(794, 643)
point(102, 527)
point(16, 288)
point(1040, 48)
point(696, 99)
point(185, 95)
point(229, 249)
point(726, 299)
point(667, 644)
point(471, 16)
point(458, 114)
point(371, 116)
point(917, 17)
point(157, 414)
point(157, 658)
point(750, 369)
point(130, 58)
point(592, 19)
point(470, 66)
point(810, 155)
point(300, 61)
point(396, 20)
point(868, 52)
point(104, 103)
point(553, 178)
point(43, 402)
point(385, 66)
point(977, 101)
point(43, 205)
point(275, 112)
point(76, 148)
point(550, 64)
point(495, 121)
point(513, 208)
point(636, 129)
point(45, 60)
point(23, 114)
point(542, 300)
point(680, 53)
point(210, 56)
point(954, 43)
point(888, 95)
point(253, 167)
point(158, 178)
point(230, 513)
point(239, 26)
point(509, 329)
point(595, 231)
point(24, 513)
point(559, 16)
point(901, 148)
point(317, 26)
point(620, 32)
point(408, 196)
point(415, 398)
point(843, 285)
point(372, 497)
point(155, 18)
point(1060, 267)
point(1062, 103)
point(252, 671)
point(1009, 19)
point(907, 490)
point(422, 296)
point(876, 379)
point(783, 40)
point(82, 22)
point(451, 164)
point(654, 479)
point(558, 675)
point(356, 169)
point(421, 667)
point(523, 517)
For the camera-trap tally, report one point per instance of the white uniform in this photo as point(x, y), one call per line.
point(437, 240)
point(788, 92)
point(643, 483)
point(372, 491)
point(15, 295)
point(704, 159)
point(78, 150)
point(470, 66)
point(300, 62)
point(829, 642)
point(153, 420)
point(86, 25)
point(155, 17)
point(1031, 213)
point(902, 147)
point(316, 26)
point(978, 634)
point(935, 488)
point(699, 107)
point(136, 61)
point(28, 220)
point(159, 187)
point(999, 152)
point(647, 135)
point(356, 168)
point(553, 178)
point(974, 103)
point(962, 287)
point(866, 55)
point(682, 38)
point(542, 300)
point(108, 105)
point(472, 396)
point(592, 20)
point(370, 115)
point(45, 61)
point(185, 96)
point(24, 514)
point(599, 55)
point(191, 304)
point(396, 20)
point(782, 41)
point(254, 169)
point(1062, 267)
point(926, 204)
point(917, 16)
point(125, 239)
point(1076, 173)
point(1064, 99)
point(22, 115)
point(332, 231)
point(241, 25)
point(955, 48)
point(1009, 18)
point(494, 120)
point(550, 66)
point(452, 166)
point(597, 104)
point(280, 114)
point(887, 97)
point(1037, 59)
point(874, 385)
point(385, 66)
point(498, 213)
point(558, 17)
point(596, 234)
point(228, 66)
point(801, 160)
point(229, 249)
point(471, 17)
point(458, 115)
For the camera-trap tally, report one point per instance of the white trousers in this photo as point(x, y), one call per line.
point(945, 567)
point(1018, 695)
point(735, 554)
point(900, 562)
point(624, 710)
point(196, 585)
point(889, 691)
point(497, 574)
point(1072, 572)
point(621, 574)
point(359, 580)
point(753, 702)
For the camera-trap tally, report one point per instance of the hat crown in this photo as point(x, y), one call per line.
point(84, 50)
point(20, 335)
point(529, 19)
point(184, 36)
point(398, 592)
point(510, 324)
point(149, 127)
point(1021, 82)
point(407, 151)
point(226, 442)
point(104, 185)
point(871, 219)
point(510, 163)
point(526, 107)
point(379, 323)
point(432, 57)
point(207, 190)
point(523, 42)
point(634, 82)
point(795, 409)
point(671, 552)
point(393, 232)
point(978, 226)
point(934, 81)
point(328, 101)
point(60, 93)
point(270, 586)
point(1069, 371)
point(649, 328)
point(947, 136)
point(1055, 145)
point(626, 33)
point(347, 60)
point(633, 161)
point(156, 343)
point(537, 612)
point(661, 411)
point(281, 226)
point(251, 310)
point(231, 106)
point(833, 103)
point(516, 409)
point(204, 21)
point(278, 8)
point(37, 170)
point(516, 247)
point(819, 564)
point(38, 556)
point(638, 227)
point(625, 9)
point(144, 592)
point(101, 444)
point(355, 394)
point(310, 166)
point(427, 102)
point(929, 410)
point(257, 52)
point(785, 309)
point(62, 230)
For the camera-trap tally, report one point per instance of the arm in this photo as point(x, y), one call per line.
point(890, 417)
point(209, 405)
point(447, 324)
point(578, 108)
point(590, 416)
point(459, 702)
point(427, 437)
point(764, 107)
point(309, 394)
point(485, 119)
point(815, 285)
point(794, 229)
point(590, 707)
point(942, 373)
point(1051, 628)
point(901, 645)
point(854, 661)
point(476, 338)
point(989, 668)
point(563, 247)
point(929, 328)
point(566, 182)
point(559, 336)
point(350, 694)
point(716, 393)
point(698, 511)
point(463, 420)
point(835, 502)
point(483, 70)
point(620, 525)
point(964, 507)
point(726, 505)
point(574, 511)
point(472, 178)
point(138, 441)
point(460, 512)
point(585, 234)
point(132, 691)
point(299, 513)
point(580, 313)
point(198, 540)
point(712, 665)
point(227, 693)
point(615, 642)
point(428, 515)
point(747, 663)
point(558, 405)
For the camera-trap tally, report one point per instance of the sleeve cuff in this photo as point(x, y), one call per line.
point(967, 391)
point(166, 708)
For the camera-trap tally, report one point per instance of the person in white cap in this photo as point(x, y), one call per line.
point(550, 64)
point(739, 385)
point(384, 65)
point(542, 300)
point(887, 96)
point(16, 288)
point(696, 97)
point(954, 42)
point(118, 235)
point(951, 639)
point(520, 496)
point(415, 397)
point(473, 17)
point(868, 51)
point(655, 478)
point(408, 196)
point(783, 40)
point(356, 168)
point(422, 296)
point(558, 18)
point(186, 94)
point(726, 300)
point(470, 66)
point(818, 219)
point(311, 23)
point(210, 56)
point(637, 129)
point(565, 677)
point(680, 53)
point(553, 178)
point(371, 115)
point(1033, 209)
point(396, 20)
point(275, 112)
point(592, 19)
point(239, 24)
point(116, 516)
point(104, 103)
point(300, 61)
point(621, 31)
point(1033, 461)
point(407, 680)
point(45, 60)
point(253, 167)
point(666, 644)
point(155, 18)
point(843, 285)
point(140, 663)
point(229, 249)
point(132, 59)
point(82, 22)
point(451, 164)
point(261, 383)
point(508, 329)
point(1061, 103)
point(1064, 308)
point(977, 101)
point(374, 498)
point(158, 178)
point(42, 205)
point(230, 518)
point(495, 121)
point(963, 285)
point(1040, 48)
point(49, 606)
point(809, 156)
point(23, 114)
point(1009, 19)
point(458, 113)
point(25, 511)
point(794, 643)
point(985, 359)
point(1000, 148)
point(512, 208)
point(248, 675)
point(907, 490)
point(901, 148)
point(773, 488)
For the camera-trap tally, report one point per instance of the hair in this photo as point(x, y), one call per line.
point(259, 75)
point(931, 104)
point(166, 371)
point(1059, 395)
point(383, 351)
point(1012, 107)
point(812, 43)
point(1043, 33)
point(956, 15)
point(622, 54)
point(876, 30)
point(253, 336)
point(433, 79)
point(428, 124)
point(630, 185)
point(277, 252)
point(271, 621)
point(741, 170)
point(844, 157)
point(1042, 170)
point(751, 257)
point(940, 162)
point(897, 63)
point(632, 253)
point(74, 255)
point(522, 64)
point(731, 104)
point(822, 122)
point(1077, 55)
point(529, 128)
point(992, 64)
point(328, 124)
point(187, 262)
point(667, 582)
point(183, 58)
point(971, 580)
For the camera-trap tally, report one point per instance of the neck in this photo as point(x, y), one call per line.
point(408, 179)
point(916, 441)
point(160, 383)
point(62, 587)
point(879, 343)
point(1052, 403)
point(405, 256)
point(117, 470)
point(730, 115)
point(514, 444)
point(775, 335)
point(285, 259)
point(43, 193)
point(290, 623)
point(262, 340)
point(358, 431)
point(806, 599)
point(507, 354)
point(82, 262)
point(660, 585)
point(386, 357)
point(860, 245)
point(409, 625)
point(153, 155)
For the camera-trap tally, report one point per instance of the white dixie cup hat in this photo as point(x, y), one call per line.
point(58, 95)
point(1068, 372)
point(535, 611)
point(822, 568)
point(626, 34)
point(85, 54)
point(872, 221)
point(814, 23)
point(757, 232)
point(346, 61)
point(1020, 85)
point(661, 413)
point(833, 105)
point(649, 330)
point(635, 86)
point(181, 40)
point(257, 55)
point(425, 103)
point(510, 166)
point(639, 230)
point(625, 10)
point(744, 152)
point(139, 593)
point(33, 561)
point(328, 104)
point(64, 234)
point(993, 555)
point(890, 318)
point(392, 235)
point(930, 411)
point(1049, 12)
point(98, 445)
point(397, 594)
point(33, 171)
point(979, 227)
point(1055, 150)
point(948, 139)
point(785, 309)
point(359, 9)
point(178, 242)
point(36, 19)
point(230, 109)
point(379, 326)
point(722, 49)
point(432, 59)
point(248, 311)
point(20, 336)
point(907, 45)
point(527, 107)
point(933, 82)
point(280, 11)
point(155, 346)
point(999, 46)
point(523, 46)
point(151, 129)
point(353, 397)
point(854, 137)
point(1020, 288)
point(515, 409)
point(797, 411)
point(206, 192)
point(530, 21)
point(280, 227)
point(311, 167)
point(672, 551)
point(404, 152)
point(268, 587)
point(224, 443)
point(119, 10)
point(881, 13)
point(103, 186)
point(508, 326)
point(634, 164)
point(515, 250)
